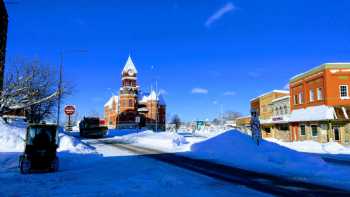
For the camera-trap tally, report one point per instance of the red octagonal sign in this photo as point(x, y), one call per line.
point(69, 110)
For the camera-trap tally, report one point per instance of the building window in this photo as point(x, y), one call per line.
point(130, 103)
point(314, 130)
point(295, 99)
point(319, 94)
point(344, 93)
point(302, 130)
point(285, 109)
point(301, 98)
point(312, 96)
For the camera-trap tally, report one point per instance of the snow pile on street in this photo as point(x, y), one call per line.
point(12, 138)
point(73, 145)
point(158, 140)
point(209, 131)
point(238, 150)
point(314, 147)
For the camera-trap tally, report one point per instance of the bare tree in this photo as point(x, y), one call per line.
point(176, 121)
point(32, 88)
point(231, 115)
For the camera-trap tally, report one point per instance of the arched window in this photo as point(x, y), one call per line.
point(281, 111)
point(276, 111)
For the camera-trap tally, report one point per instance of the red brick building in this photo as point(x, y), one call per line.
point(132, 107)
point(320, 104)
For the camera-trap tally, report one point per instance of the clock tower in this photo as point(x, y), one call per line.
point(128, 94)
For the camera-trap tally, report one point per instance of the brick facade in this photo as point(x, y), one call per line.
point(326, 87)
point(122, 111)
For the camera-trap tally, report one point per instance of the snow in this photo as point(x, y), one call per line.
point(238, 150)
point(152, 97)
point(111, 100)
point(280, 98)
point(165, 141)
point(309, 146)
point(129, 65)
point(116, 173)
point(273, 91)
point(12, 138)
point(313, 113)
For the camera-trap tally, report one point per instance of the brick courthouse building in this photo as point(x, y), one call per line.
point(133, 106)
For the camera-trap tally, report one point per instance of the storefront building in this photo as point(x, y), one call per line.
point(320, 104)
point(262, 104)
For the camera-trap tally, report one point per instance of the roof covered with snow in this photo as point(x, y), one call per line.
point(273, 91)
point(129, 65)
point(334, 65)
point(281, 98)
point(110, 101)
point(314, 113)
point(152, 97)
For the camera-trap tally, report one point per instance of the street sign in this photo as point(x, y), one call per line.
point(138, 119)
point(69, 110)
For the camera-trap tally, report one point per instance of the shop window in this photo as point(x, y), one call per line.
point(284, 127)
point(301, 98)
point(312, 96)
point(267, 130)
point(302, 130)
point(344, 93)
point(314, 130)
point(295, 100)
point(319, 94)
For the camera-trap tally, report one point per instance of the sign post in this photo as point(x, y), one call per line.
point(69, 110)
point(138, 121)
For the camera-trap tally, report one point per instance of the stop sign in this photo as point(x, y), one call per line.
point(69, 110)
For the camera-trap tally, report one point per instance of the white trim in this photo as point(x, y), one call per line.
point(347, 92)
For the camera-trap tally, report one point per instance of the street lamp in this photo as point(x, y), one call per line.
point(62, 53)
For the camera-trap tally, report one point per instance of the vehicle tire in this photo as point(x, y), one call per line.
point(25, 166)
point(55, 165)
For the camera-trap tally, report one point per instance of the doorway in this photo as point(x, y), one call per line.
point(336, 133)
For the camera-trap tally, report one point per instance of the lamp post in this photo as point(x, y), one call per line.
point(62, 53)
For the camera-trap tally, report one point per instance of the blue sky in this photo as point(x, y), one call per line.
point(204, 54)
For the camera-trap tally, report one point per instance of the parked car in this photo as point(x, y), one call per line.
point(92, 127)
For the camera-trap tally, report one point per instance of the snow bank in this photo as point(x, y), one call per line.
point(73, 145)
point(237, 149)
point(314, 147)
point(12, 138)
point(158, 140)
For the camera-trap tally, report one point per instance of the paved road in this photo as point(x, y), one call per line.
point(275, 185)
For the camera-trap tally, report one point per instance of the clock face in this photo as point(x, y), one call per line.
point(130, 72)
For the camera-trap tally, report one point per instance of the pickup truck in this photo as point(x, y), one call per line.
point(92, 127)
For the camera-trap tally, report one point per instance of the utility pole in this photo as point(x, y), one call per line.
point(59, 90)
point(60, 80)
